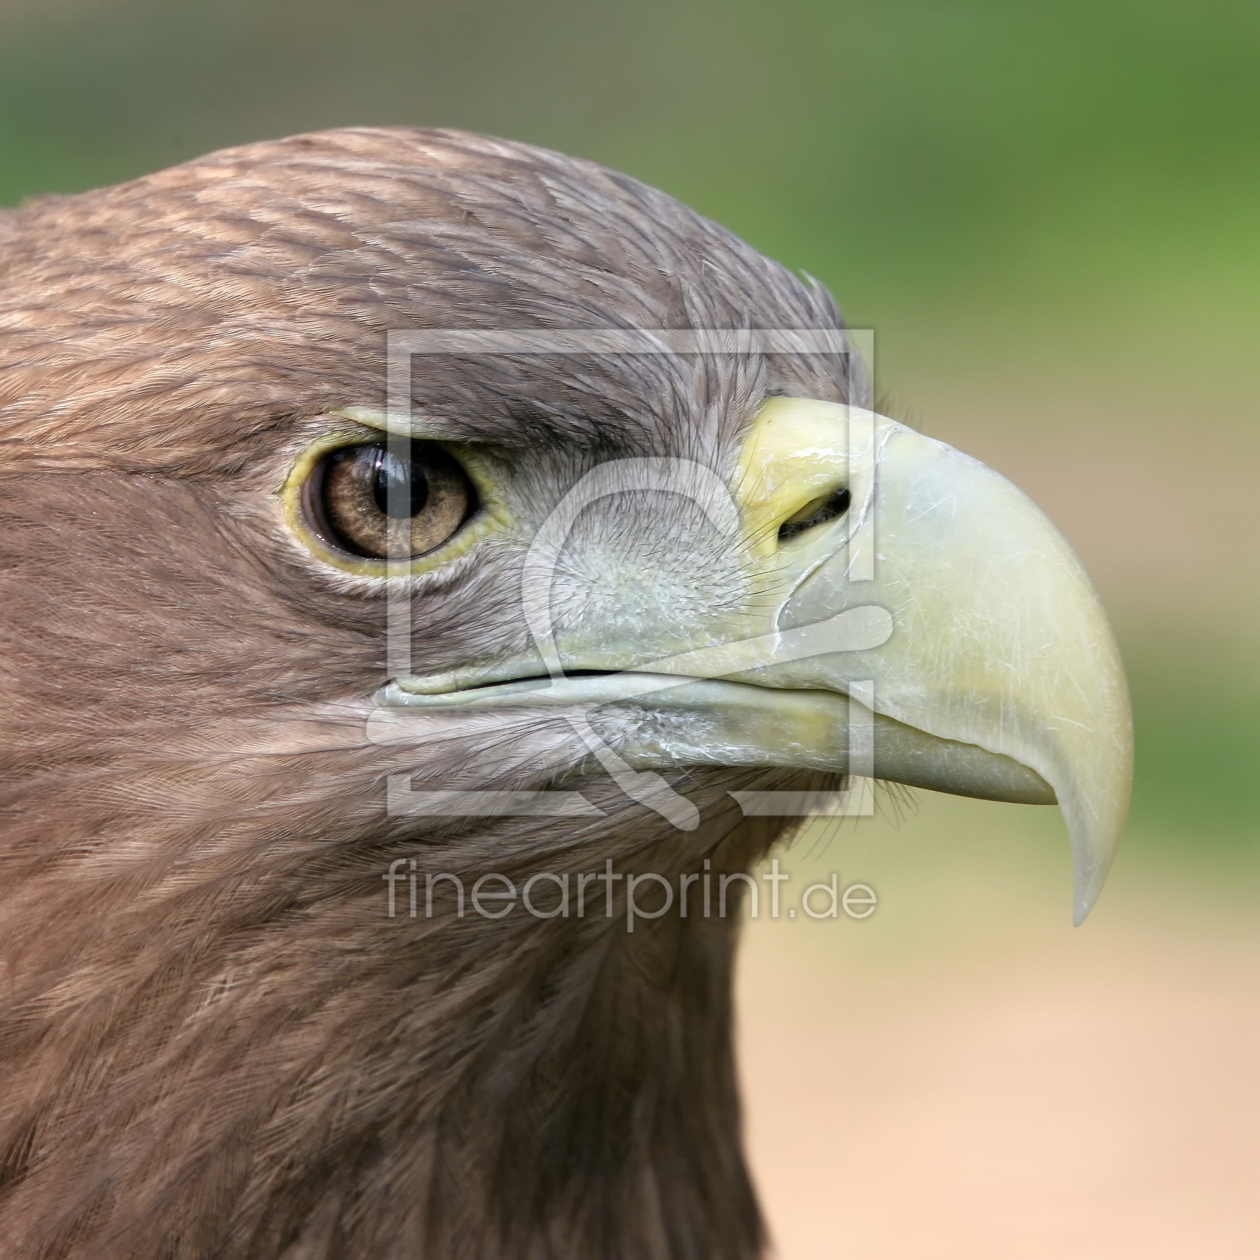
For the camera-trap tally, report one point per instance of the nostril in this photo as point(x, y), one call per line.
point(818, 511)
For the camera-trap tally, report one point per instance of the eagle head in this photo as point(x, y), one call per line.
point(433, 572)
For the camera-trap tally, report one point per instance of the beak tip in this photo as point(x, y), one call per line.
point(1089, 875)
point(1086, 888)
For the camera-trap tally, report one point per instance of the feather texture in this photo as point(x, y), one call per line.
point(215, 1042)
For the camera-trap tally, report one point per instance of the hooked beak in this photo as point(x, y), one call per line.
point(899, 588)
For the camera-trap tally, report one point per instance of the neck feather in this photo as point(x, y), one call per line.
point(260, 1061)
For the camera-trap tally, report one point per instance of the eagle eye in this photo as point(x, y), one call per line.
point(392, 499)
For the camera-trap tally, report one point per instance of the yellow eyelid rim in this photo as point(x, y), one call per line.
point(492, 512)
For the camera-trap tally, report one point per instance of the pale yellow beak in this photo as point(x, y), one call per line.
point(875, 580)
point(997, 641)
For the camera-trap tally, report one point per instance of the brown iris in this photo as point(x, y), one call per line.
point(395, 499)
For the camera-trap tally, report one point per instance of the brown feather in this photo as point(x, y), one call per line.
point(214, 1043)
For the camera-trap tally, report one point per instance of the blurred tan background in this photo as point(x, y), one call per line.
point(1048, 214)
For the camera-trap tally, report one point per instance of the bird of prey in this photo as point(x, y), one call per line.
point(390, 518)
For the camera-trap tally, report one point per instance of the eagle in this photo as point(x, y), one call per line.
point(434, 573)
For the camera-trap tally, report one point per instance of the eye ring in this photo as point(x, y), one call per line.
point(397, 499)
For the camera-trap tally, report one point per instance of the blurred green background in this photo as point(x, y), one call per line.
point(1048, 214)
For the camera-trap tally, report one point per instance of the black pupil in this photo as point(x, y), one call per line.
point(399, 488)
